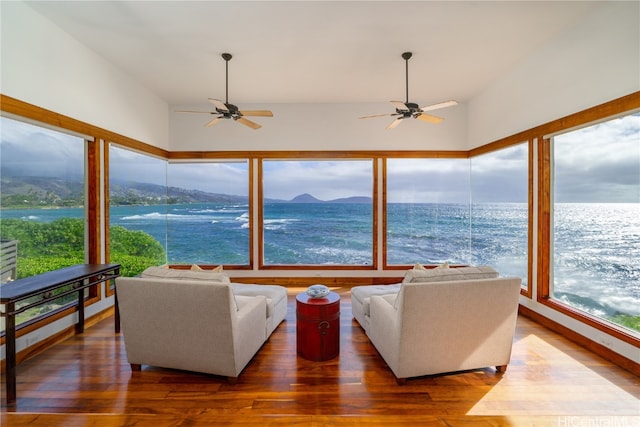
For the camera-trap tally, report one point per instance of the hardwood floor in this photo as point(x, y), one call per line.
point(86, 381)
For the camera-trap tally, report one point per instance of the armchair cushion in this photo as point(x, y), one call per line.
point(361, 300)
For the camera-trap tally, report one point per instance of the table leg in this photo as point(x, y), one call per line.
point(117, 312)
point(11, 354)
point(80, 324)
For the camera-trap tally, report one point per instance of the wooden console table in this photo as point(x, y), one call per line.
point(79, 277)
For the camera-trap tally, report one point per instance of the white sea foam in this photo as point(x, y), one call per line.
point(278, 224)
point(155, 215)
point(215, 211)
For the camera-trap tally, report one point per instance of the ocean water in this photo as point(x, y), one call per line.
point(595, 263)
point(597, 257)
point(318, 233)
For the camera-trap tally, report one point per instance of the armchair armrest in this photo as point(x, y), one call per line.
point(251, 316)
point(250, 324)
point(384, 316)
point(385, 328)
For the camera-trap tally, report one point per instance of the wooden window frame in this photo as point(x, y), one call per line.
point(313, 156)
point(91, 216)
point(622, 106)
point(250, 206)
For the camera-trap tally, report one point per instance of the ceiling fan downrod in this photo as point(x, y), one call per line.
point(406, 56)
point(227, 57)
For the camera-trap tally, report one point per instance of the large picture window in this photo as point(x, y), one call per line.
point(428, 208)
point(208, 213)
point(317, 212)
point(137, 210)
point(596, 220)
point(500, 210)
point(43, 204)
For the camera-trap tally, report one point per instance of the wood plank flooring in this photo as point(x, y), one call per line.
point(86, 381)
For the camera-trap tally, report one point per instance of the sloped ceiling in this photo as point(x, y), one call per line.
point(314, 51)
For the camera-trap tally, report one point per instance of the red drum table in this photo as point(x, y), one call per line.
point(318, 326)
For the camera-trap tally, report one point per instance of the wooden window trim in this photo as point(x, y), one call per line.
point(303, 267)
point(624, 105)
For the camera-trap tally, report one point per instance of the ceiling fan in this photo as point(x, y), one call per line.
point(405, 110)
point(224, 110)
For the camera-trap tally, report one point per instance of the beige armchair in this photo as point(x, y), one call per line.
point(191, 325)
point(431, 328)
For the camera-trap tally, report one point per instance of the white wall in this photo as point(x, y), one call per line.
point(316, 127)
point(596, 61)
point(44, 66)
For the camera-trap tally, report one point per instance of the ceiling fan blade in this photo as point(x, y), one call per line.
point(376, 115)
point(219, 104)
point(213, 121)
point(257, 113)
point(395, 123)
point(400, 105)
point(429, 118)
point(191, 111)
point(252, 125)
point(439, 105)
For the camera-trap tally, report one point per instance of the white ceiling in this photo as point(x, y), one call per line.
point(314, 51)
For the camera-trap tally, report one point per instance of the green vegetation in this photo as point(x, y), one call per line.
point(50, 246)
point(631, 322)
point(134, 250)
point(44, 247)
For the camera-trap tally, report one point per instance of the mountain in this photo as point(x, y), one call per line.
point(28, 191)
point(308, 198)
point(305, 198)
point(129, 193)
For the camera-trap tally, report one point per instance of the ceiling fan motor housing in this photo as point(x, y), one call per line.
point(411, 110)
point(232, 111)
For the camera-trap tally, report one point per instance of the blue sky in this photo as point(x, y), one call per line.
point(598, 164)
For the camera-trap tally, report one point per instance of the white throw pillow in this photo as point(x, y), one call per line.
point(176, 274)
point(218, 269)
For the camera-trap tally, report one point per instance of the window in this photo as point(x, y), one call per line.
point(500, 210)
point(596, 220)
point(208, 213)
point(137, 210)
point(317, 212)
point(43, 197)
point(427, 211)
